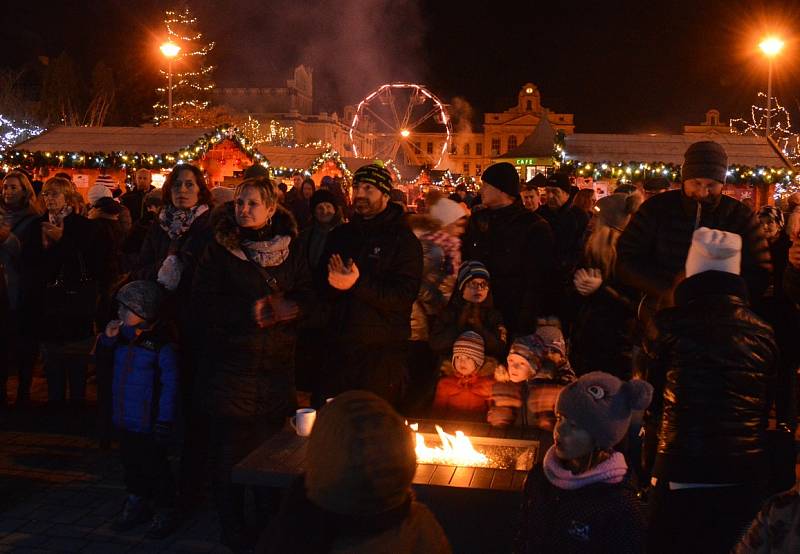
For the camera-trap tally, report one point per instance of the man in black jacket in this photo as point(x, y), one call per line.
point(374, 273)
point(516, 246)
point(568, 223)
point(652, 250)
point(134, 200)
point(712, 364)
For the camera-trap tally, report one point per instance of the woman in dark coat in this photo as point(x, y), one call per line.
point(252, 284)
point(20, 212)
point(64, 264)
point(174, 244)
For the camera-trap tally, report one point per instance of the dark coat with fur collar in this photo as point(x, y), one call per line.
point(246, 371)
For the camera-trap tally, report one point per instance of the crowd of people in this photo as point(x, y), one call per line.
point(647, 337)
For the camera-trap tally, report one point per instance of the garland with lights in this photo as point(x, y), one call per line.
point(192, 86)
point(627, 171)
point(780, 127)
point(13, 132)
point(134, 160)
point(331, 155)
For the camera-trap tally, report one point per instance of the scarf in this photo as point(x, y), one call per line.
point(58, 218)
point(451, 246)
point(176, 221)
point(268, 253)
point(610, 471)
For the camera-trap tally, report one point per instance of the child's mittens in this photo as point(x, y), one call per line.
point(506, 395)
point(169, 274)
point(163, 432)
point(500, 416)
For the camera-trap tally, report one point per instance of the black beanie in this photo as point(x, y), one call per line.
point(657, 183)
point(502, 176)
point(376, 175)
point(559, 181)
point(323, 195)
point(705, 159)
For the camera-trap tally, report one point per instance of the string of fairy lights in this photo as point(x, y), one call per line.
point(13, 132)
point(192, 85)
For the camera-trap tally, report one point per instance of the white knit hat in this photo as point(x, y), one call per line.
point(97, 192)
point(445, 211)
point(716, 250)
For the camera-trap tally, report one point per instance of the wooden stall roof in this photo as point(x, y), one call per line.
point(293, 158)
point(742, 150)
point(144, 140)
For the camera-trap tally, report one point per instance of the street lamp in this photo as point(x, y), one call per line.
point(771, 46)
point(170, 50)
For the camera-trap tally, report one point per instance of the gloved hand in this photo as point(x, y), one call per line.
point(163, 432)
point(587, 281)
point(169, 274)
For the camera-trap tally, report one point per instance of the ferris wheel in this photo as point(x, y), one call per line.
point(404, 123)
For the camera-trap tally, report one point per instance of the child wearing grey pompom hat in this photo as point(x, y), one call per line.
point(578, 498)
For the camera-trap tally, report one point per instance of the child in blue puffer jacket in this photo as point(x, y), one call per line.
point(145, 382)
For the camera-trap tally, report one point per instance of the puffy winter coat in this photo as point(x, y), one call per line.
point(247, 371)
point(11, 254)
point(517, 247)
point(600, 518)
point(377, 309)
point(652, 250)
point(434, 292)
point(145, 378)
point(713, 361)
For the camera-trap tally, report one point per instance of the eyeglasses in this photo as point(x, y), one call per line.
point(478, 285)
point(50, 193)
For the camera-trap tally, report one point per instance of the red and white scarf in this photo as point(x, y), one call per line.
point(451, 246)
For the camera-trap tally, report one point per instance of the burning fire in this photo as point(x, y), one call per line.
point(455, 450)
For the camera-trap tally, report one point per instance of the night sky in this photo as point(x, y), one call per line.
point(618, 66)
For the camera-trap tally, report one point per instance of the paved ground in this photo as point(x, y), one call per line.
point(59, 491)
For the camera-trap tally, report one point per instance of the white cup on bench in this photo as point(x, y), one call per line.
point(303, 421)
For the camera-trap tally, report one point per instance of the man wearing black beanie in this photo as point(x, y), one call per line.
point(651, 253)
point(516, 245)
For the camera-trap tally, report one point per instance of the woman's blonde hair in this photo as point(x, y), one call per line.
point(265, 188)
point(67, 188)
point(29, 195)
point(601, 248)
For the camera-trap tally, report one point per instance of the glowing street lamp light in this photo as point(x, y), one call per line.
point(404, 133)
point(771, 46)
point(170, 50)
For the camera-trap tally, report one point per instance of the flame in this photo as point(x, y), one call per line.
point(455, 450)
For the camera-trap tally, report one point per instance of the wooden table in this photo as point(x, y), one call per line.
point(282, 458)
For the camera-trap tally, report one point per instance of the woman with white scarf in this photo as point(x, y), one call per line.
point(252, 284)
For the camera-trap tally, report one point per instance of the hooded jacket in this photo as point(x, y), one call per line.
point(377, 309)
point(246, 370)
point(712, 363)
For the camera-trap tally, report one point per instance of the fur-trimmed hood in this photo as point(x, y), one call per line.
point(227, 232)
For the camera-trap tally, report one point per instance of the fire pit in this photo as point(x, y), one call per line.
point(496, 459)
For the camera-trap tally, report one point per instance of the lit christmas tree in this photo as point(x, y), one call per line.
point(191, 75)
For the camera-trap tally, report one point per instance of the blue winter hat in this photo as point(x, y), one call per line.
point(470, 270)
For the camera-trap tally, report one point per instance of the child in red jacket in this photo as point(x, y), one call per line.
point(464, 390)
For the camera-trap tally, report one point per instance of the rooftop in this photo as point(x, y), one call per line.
point(144, 140)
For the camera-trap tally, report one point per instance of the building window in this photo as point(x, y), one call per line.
point(466, 149)
point(430, 148)
point(512, 142)
point(466, 169)
point(496, 146)
point(479, 149)
point(418, 147)
point(478, 169)
point(453, 149)
point(528, 105)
